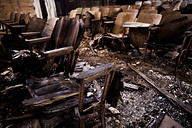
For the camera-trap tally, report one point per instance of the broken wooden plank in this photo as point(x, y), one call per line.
point(11, 88)
point(67, 104)
point(169, 96)
point(130, 86)
point(49, 98)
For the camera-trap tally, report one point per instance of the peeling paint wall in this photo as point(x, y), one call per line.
point(7, 6)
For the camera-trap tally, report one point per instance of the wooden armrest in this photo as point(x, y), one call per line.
point(153, 28)
point(12, 23)
point(18, 26)
point(93, 20)
point(59, 52)
point(188, 33)
point(108, 22)
point(26, 34)
point(95, 73)
point(37, 40)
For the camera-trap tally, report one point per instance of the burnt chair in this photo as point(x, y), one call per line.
point(59, 92)
point(116, 31)
point(56, 95)
point(170, 35)
point(64, 39)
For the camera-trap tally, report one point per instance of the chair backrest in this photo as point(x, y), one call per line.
point(72, 13)
point(149, 11)
point(104, 11)
point(36, 24)
point(84, 11)
point(138, 3)
point(121, 18)
point(49, 26)
point(12, 16)
point(79, 11)
point(124, 7)
point(134, 7)
point(156, 3)
point(114, 12)
point(95, 8)
point(17, 17)
point(149, 18)
point(21, 19)
point(66, 33)
point(146, 3)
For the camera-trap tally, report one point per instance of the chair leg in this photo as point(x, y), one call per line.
point(102, 114)
point(82, 124)
point(145, 52)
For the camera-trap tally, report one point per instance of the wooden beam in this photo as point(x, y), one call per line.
point(169, 96)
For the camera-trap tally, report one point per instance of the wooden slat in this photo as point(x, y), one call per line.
point(58, 52)
point(72, 102)
point(95, 73)
point(49, 98)
point(169, 96)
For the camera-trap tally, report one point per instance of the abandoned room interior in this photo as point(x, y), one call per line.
point(95, 63)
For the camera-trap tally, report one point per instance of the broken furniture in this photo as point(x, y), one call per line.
point(169, 35)
point(55, 94)
point(116, 29)
point(66, 35)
